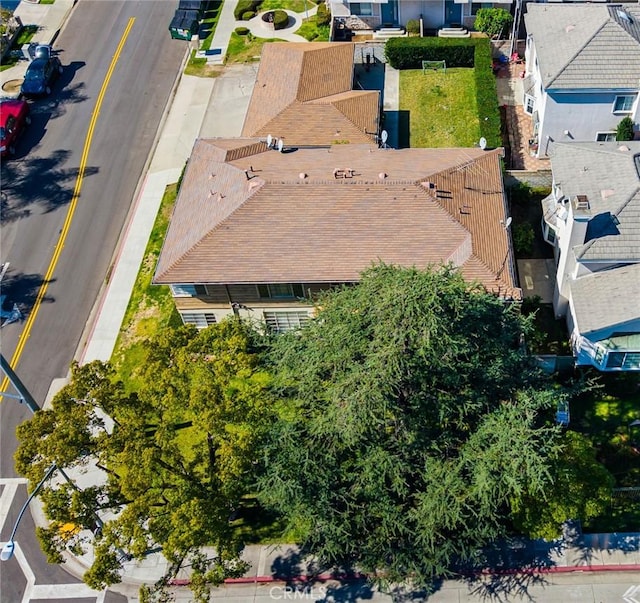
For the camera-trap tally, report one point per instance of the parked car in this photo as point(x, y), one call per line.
point(40, 75)
point(14, 116)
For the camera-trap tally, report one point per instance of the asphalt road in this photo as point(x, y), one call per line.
point(37, 190)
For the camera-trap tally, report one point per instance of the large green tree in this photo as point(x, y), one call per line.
point(414, 424)
point(581, 489)
point(177, 455)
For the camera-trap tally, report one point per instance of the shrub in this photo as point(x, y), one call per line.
point(493, 21)
point(247, 15)
point(323, 15)
point(624, 130)
point(280, 19)
point(413, 26)
point(523, 237)
point(408, 53)
point(243, 6)
point(242, 31)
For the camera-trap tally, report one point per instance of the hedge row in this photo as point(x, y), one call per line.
point(245, 6)
point(408, 53)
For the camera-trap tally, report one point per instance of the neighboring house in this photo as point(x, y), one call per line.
point(582, 71)
point(304, 96)
point(435, 13)
point(257, 232)
point(592, 218)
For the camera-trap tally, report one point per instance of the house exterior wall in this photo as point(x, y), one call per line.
point(432, 11)
point(570, 233)
point(581, 114)
point(213, 303)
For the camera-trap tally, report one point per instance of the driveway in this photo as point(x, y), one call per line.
point(229, 101)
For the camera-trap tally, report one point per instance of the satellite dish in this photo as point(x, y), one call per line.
point(383, 136)
point(269, 140)
point(508, 222)
point(280, 145)
point(483, 143)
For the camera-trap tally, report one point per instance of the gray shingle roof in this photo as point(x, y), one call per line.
point(246, 214)
point(586, 45)
point(608, 174)
point(607, 298)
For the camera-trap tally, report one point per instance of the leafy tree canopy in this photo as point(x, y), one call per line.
point(493, 21)
point(178, 454)
point(415, 424)
point(580, 489)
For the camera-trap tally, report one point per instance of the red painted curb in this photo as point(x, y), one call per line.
point(556, 569)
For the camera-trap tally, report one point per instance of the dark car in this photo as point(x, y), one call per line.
point(14, 116)
point(40, 75)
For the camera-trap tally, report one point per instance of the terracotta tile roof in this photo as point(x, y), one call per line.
point(285, 217)
point(291, 77)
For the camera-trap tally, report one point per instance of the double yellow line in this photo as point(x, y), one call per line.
point(70, 211)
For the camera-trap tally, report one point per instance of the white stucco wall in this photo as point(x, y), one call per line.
point(582, 115)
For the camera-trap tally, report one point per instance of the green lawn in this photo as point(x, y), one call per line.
point(313, 32)
point(150, 306)
point(297, 6)
point(245, 49)
point(441, 106)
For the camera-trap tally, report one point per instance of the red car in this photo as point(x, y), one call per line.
point(14, 116)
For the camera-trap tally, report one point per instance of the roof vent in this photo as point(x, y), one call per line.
point(581, 202)
point(624, 148)
point(382, 175)
point(569, 28)
point(429, 185)
point(302, 175)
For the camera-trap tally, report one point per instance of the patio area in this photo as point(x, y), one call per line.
point(518, 125)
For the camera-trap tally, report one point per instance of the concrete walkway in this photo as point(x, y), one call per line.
point(227, 23)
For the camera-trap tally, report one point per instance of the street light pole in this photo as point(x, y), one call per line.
point(9, 547)
point(24, 396)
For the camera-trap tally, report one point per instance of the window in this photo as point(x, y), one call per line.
point(624, 103)
point(476, 6)
point(362, 9)
point(280, 291)
point(549, 234)
point(529, 104)
point(187, 290)
point(623, 360)
point(280, 322)
point(605, 136)
point(199, 319)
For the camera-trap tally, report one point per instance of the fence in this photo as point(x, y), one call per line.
point(374, 50)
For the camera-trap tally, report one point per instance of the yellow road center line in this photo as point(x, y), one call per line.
point(71, 211)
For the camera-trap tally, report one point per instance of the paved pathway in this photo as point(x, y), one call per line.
point(227, 24)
